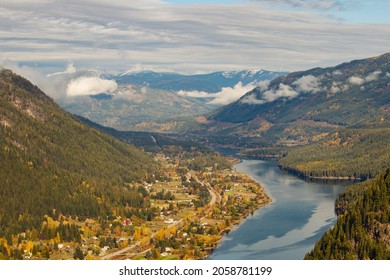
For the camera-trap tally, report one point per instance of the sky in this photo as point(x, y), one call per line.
point(190, 36)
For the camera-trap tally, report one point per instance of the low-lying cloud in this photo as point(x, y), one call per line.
point(357, 80)
point(226, 96)
point(90, 86)
point(308, 84)
point(61, 86)
point(283, 91)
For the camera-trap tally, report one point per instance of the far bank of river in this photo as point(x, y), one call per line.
point(288, 227)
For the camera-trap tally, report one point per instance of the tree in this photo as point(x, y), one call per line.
point(78, 254)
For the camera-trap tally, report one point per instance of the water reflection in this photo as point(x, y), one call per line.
point(287, 228)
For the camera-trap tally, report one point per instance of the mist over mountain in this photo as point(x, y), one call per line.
point(356, 92)
point(157, 101)
point(318, 121)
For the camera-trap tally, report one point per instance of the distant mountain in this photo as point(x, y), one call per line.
point(134, 107)
point(150, 101)
point(211, 83)
point(354, 93)
point(150, 141)
point(53, 164)
point(302, 106)
point(319, 120)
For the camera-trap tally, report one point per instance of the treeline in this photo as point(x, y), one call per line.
point(352, 153)
point(362, 229)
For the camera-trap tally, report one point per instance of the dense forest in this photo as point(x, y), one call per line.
point(52, 164)
point(354, 153)
point(363, 227)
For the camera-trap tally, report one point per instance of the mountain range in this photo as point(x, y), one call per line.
point(151, 101)
point(211, 82)
point(334, 109)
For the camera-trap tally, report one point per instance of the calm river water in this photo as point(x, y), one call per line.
point(287, 228)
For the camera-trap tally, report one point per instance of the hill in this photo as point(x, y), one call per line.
point(347, 154)
point(325, 122)
point(52, 164)
point(362, 228)
point(354, 93)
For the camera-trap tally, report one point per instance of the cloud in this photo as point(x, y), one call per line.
point(356, 80)
point(65, 84)
point(196, 94)
point(283, 91)
point(312, 4)
point(252, 100)
point(90, 86)
point(308, 84)
point(53, 86)
point(373, 76)
point(335, 88)
point(226, 96)
point(337, 73)
point(116, 34)
point(70, 69)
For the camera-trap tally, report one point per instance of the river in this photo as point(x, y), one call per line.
point(288, 227)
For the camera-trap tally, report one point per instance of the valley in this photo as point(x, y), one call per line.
point(129, 175)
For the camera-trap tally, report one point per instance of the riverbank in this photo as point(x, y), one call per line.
point(287, 228)
point(308, 175)
point(188, 231)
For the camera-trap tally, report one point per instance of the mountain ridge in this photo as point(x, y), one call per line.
point(56, 162)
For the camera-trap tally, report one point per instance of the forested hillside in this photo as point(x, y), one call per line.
point(351, 93)
point(363, 228)
point(323, 123)
point(52, 164)
point(355, 153)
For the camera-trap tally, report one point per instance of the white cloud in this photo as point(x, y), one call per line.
point(263, 85)
point(70, 69)
point(312, 4)
point(120, 33)
point(373, 76)
point(196, 94)
point(226, 96)
point(283, 91)
point(90, 86)
point(335, 87)
point(337, 72)
point(308, 84)
point(355, 80)
point(251, 99)
point(53, 86)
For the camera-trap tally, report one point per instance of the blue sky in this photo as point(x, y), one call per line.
point(370, 11)
point(191, 36)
